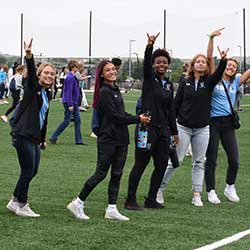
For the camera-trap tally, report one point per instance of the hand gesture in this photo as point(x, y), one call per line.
point(216, 33)
point(223, 53)
point(28, 47)
point(176, 140)
point(152, 38)
point(43, 145)
point(144, 119)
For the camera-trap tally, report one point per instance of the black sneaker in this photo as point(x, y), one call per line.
point(150, 203)
point(131, 204)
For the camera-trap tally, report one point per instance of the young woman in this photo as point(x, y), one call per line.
point(192, 102)
point(15, 93)
point(29, 130)
point(221, 128)
point(157, 99)
point(112, 141)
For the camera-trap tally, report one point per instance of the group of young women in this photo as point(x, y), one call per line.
point(203, 117)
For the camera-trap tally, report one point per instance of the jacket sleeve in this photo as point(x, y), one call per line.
point(108, 106)
point(32, 78)
point(217, 75)
point(147, 69)
point(172, 118)
point(68, 84)
point(179, 97)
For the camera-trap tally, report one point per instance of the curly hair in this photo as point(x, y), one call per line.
point(161, 52)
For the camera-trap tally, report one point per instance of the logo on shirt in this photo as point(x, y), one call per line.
point(202, 85)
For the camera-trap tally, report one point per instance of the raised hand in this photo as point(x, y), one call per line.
point(223, 53)
point(152, 38)
point(28, 47)
point(216, 33)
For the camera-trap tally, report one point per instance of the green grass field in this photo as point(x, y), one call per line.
point(64, 168)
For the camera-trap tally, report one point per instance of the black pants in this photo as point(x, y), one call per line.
point(221, 128)
point(107, 155)
point(159, 140)
point(15, 95)
point(29, 158)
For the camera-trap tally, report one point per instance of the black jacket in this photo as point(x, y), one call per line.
point(156, 98)
point(26, 121)
point(193, 106)
point(113, 118)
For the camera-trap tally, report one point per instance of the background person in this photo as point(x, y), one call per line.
point(16, 92)
point(70, 100)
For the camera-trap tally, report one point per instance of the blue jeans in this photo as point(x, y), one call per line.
point(66, 122)
point(29, 158)
point(198, 137)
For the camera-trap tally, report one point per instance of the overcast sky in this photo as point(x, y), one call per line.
point(61, 27)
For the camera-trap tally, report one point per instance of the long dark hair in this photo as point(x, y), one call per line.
point(98, 81)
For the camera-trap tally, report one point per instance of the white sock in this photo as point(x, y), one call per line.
point(79, 201)
point(112, 206)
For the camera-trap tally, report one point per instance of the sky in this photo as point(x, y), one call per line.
point(60, 28)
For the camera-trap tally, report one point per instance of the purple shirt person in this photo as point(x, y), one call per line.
point(70, 99)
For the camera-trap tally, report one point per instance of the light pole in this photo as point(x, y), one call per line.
point(240, 57)
point(129, 63)
point(138, 64)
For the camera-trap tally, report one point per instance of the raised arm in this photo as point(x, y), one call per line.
point(31, 68)
point(147, 64)
point(245, 76)
point(214, 78)
point(210, 49)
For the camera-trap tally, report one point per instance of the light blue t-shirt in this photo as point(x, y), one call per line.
point(44, 107)
point(219, 102)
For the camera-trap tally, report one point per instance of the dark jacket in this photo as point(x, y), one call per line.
point(26, 121)
point(193, 106)
point(156, 98)
point(113, 119)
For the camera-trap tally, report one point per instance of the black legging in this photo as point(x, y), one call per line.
point(221, 129)
point(160, 152)
point(16, 96)
point(108, 155)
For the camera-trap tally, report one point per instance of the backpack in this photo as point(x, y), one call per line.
point(12, 85)
point(95, 122)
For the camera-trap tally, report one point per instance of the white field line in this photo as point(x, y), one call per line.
point(225, 241)
point(245, 105)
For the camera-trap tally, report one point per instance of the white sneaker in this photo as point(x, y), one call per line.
point(230, 193)
point(77, 210)
point(93, 135)
point(160, 197)
point(212, 197)
point(4, 118)
point(197, 201)
point(26, 211)
point(12, 205)
point(113, 214)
